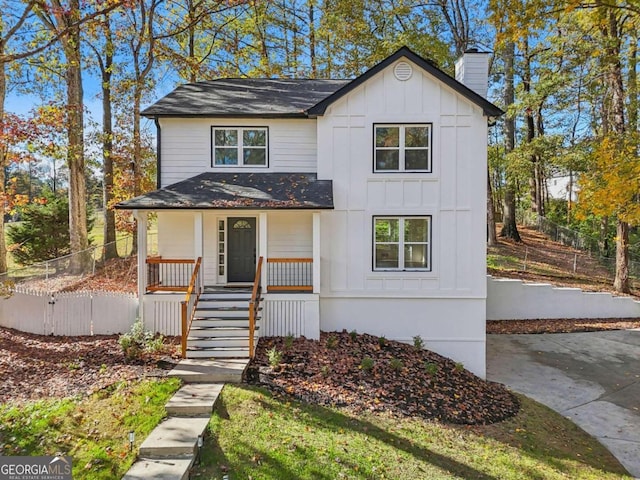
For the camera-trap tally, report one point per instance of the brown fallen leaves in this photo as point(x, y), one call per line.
point(402, 380)
point(35, 366)
point(561, 325)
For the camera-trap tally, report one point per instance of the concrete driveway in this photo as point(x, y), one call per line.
point(591, 378)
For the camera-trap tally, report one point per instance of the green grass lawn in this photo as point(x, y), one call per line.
point(257, 436)
point(93, 431)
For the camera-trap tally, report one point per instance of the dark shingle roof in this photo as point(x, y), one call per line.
point(271, 97)
point(239, 190)
point(245, 97)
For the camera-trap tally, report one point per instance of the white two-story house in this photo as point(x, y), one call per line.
point(353, 204)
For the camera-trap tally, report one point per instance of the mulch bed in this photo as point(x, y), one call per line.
point(402, 380)
point(34, 367)
point(561, 325)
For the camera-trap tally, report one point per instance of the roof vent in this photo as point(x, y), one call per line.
point(403, 71)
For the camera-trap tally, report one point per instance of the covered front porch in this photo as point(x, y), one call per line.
point(238, 256)
point(250, 272)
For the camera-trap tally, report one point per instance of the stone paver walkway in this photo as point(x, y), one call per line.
point(169, 452)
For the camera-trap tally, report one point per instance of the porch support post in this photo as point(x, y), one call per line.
point(262, 245)
point(316, 252)
point(197, 235)
point(198, 241)
point(141, 225)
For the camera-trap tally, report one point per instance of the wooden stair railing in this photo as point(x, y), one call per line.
point(189, 304)
point(254, 306)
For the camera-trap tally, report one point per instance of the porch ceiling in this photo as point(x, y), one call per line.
point(239, 191)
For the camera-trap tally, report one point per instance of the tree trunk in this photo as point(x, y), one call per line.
point(621, 282)
point(75, 135)
point(633, 82)
point(3, 160)
point(312, 41)
point(509, 227)
point(492, 240)
point(110, 250)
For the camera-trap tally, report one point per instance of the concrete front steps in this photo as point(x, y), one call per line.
point(220, 328)
point(171, 449)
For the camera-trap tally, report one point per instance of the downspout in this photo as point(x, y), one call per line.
point(158, 152)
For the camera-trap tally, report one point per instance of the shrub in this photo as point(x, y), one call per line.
point(396, 364)
point(332, 342)
point(367, 364)
point(288, 341)
point(382, 341)
point(459, 366)
point(138, 340)
point(431, 368)
point(353, 335)
point(418, 342)
point(275, 357)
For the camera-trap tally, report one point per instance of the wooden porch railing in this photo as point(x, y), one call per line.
point(289, 274)
point(168, 275)
point(188, 306)
point(254, 306)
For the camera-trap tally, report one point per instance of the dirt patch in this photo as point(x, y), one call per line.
point(562, 325)
point(539, 259)
point(401, 380)
point(34, 367)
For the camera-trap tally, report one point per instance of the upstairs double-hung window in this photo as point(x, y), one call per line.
point(240, 146)
point(402, 148)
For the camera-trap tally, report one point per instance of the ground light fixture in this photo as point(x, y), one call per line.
point(132, 439)
point(200, 443)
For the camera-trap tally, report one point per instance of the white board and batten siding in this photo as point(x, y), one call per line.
point(445, 306)
point(186, 146)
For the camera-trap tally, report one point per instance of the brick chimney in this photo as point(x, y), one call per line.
point(472, 70)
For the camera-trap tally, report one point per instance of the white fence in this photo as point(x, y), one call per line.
point(69, 313)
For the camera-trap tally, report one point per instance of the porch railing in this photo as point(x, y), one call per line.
point(289, 274)
point(254, 306)
point(168, 275)
point(188, 305)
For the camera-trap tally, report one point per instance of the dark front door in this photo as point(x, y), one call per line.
point(241, 249)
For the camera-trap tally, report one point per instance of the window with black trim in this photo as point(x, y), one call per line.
point(402, 243)
point(239, 146)
point(402, 147)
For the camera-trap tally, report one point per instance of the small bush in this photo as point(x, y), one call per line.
point(274, 356)
point(288, 341)
point(353, 335)
point(332, 342)
point(138, 340)
point(459, 366)
point(396, 364)
point(367, 364)
point(418, 342)
point(431, 368)
point(382, 341)
point(325, 370)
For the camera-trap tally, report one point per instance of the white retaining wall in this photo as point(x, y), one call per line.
point(69, 313)
point(511, 299)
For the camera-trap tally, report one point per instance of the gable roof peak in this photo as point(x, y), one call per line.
point(428, 65)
